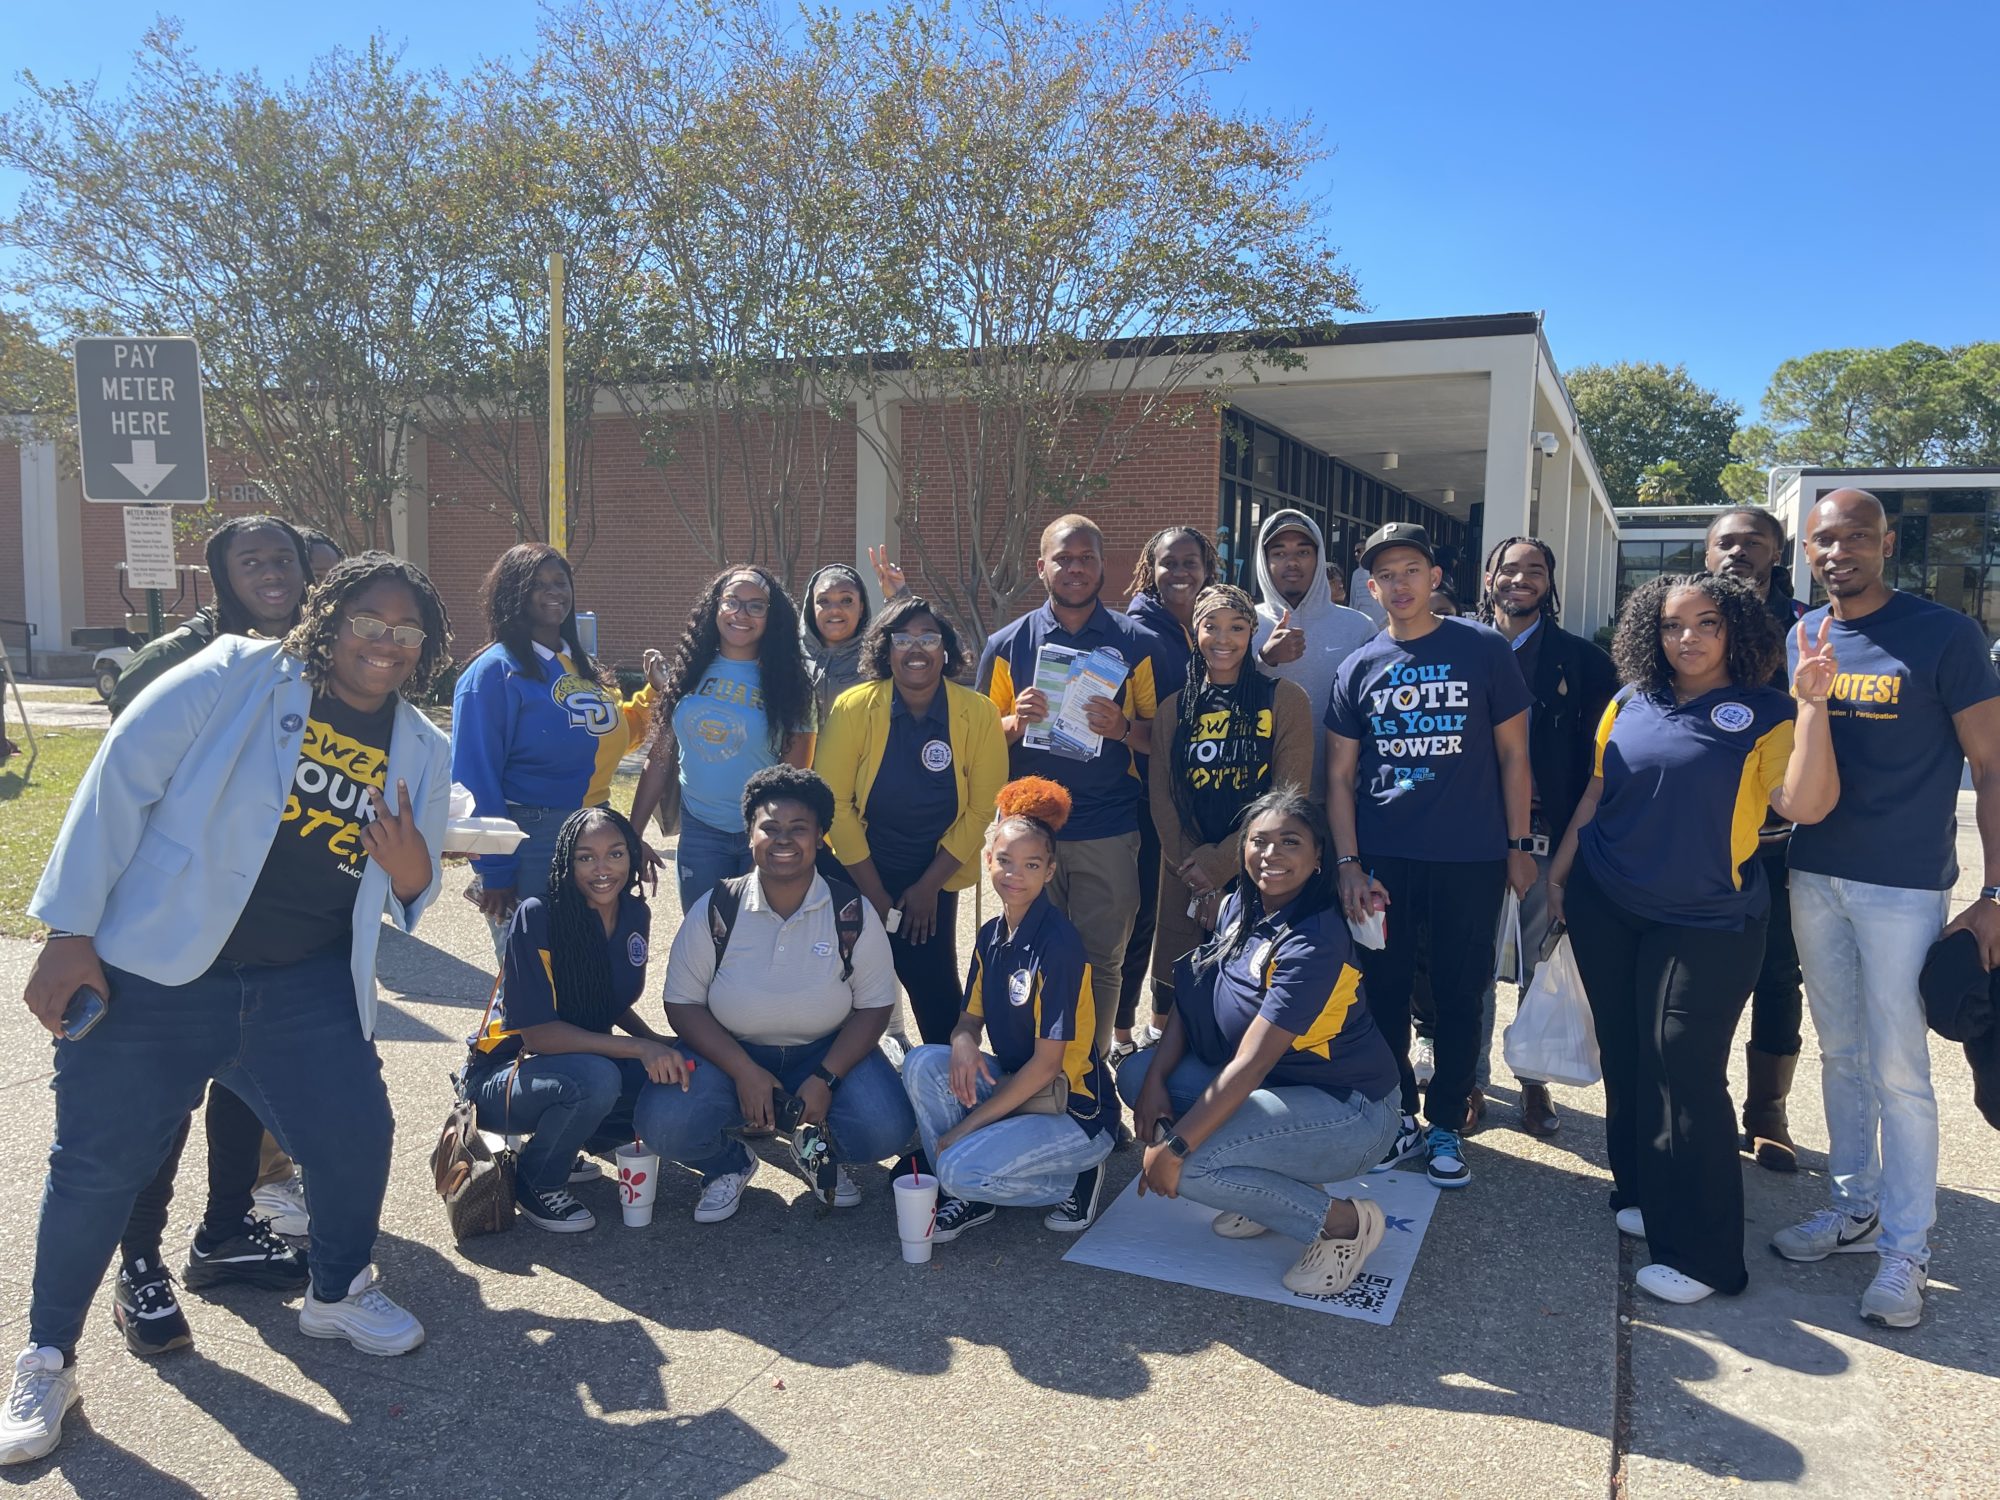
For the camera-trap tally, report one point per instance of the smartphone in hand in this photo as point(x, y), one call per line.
point(85, 1009)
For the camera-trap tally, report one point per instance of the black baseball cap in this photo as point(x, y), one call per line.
point(1398, 534)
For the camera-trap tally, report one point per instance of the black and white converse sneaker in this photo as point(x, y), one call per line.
point(253, 1255)
point(956, 1215)
point(1079, 1210)
point(584, 1169)
point(145, 1309)
point(554, 1210)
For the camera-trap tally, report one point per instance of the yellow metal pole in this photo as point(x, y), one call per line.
point(558, 450)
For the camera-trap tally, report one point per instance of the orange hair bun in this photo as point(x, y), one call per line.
point(1036, 797)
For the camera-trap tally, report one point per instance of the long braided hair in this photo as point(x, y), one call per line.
point(311, 640)
point(579, 960)
point(1488, 607)
point(1149, 557)
point(232, 615)
point(1244, 699)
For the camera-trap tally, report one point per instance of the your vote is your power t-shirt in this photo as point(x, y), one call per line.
point(303, 902)
point(1422, 711)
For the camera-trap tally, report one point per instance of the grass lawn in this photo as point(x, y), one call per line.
point(36, 693)
point(31, 811)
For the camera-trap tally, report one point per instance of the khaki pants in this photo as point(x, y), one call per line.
point(1097, 888)
point(273, 1165)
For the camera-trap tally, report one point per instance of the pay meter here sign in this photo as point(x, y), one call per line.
point(139, 423)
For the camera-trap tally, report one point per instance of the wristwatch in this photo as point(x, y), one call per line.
point(1526, 845)
point(1989, 893)
point(826, 1076)
point(1179, 1147)
point(1347, 859)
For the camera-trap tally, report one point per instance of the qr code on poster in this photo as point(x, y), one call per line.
point(1368, 1293)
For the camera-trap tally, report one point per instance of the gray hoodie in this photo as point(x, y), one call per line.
point(837, 668)
point(1332, 631)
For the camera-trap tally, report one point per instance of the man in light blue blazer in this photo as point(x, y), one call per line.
point(220, 880)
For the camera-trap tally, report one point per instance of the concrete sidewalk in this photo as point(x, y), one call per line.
point(784, 1354)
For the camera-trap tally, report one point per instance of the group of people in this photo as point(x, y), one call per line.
point(1285, 896)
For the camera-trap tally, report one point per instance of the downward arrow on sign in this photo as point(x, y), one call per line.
point(145, 471)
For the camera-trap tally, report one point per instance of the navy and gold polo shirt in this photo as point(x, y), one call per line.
point(527, 975)
point(1297, 973)
point(1105, 791)
point(1686, 786)
point(1035, 986)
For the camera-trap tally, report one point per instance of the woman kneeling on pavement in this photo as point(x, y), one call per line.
point(546, 1063)
point(1035, 1132)
point(1665, 899)
point(1272, 1078)
point(220, 880)
point(780, 986)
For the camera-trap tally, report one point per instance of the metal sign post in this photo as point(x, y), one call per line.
point(143, 444)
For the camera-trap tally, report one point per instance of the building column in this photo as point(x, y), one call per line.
point(410, 506)
point(1510, 431)
point(51, 546)
point(877, 479)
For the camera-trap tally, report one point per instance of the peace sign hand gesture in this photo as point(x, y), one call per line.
point(1812, 678)
point(888, 574)
point(393, 842)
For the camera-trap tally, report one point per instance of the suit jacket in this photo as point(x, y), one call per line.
point(169, 828)
point(1574, 681)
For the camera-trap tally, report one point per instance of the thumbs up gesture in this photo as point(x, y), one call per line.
point(1287, 643)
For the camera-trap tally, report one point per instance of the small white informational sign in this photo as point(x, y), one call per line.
point(149, 547)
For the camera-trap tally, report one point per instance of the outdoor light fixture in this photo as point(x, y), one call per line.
point(1391, 460)
point(1450, 497)
point(1548, 443)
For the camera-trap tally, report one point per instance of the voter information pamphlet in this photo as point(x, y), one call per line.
point(1097, 675)
point(1052, 677)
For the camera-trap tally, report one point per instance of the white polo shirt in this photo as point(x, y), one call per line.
point(780, 984)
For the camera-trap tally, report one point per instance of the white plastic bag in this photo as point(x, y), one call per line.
point(1552, 1036)
point(1507, 956)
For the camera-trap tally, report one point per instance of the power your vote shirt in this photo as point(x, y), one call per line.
point(1428, 782)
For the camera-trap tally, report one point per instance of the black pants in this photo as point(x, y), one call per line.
point(1139, 950)
point(1448, 912)
point(1666, 999)
point(929, 971)
point(235, 1154)
point(1776, 1008)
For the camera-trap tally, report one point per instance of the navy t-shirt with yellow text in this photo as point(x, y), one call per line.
point(1903, 672)
point(1033, 985)
point(1297, 972)
point(1686, 787)
point(1423, 712)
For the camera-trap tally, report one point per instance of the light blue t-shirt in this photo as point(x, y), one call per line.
point(724, 740)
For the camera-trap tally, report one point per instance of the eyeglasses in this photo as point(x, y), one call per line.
point(371, 629)
point(1708, 630)
point(902, 640)
point(756, 609)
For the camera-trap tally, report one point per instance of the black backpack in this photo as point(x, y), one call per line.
point(726, 899)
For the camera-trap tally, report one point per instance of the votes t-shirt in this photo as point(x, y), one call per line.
point(1904, 671)
point(1423, 711)
point(303, 902)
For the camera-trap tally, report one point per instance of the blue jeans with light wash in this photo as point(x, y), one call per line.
point(705, 855)
point(532, 855)
point(1861, 948)
point(1023, 1161)
point(1267, 1160)
point(869, 1117)
point(562, 1101)
point(287, 1040)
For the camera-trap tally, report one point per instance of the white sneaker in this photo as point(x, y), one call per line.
point(1827, 1232)
point(365, 1317)
point(846, 1192)
point(584, 1169)
point(1632, 1222)
point(1670, 1285)
point(721, 1196)
point(44, 1391)
point(284, 1204)
point(1423, 1060)
point(1895, 1298)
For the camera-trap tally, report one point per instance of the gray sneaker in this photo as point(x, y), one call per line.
point(1828, 1232)
point(1895, 1298)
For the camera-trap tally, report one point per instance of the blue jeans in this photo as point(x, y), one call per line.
point(1023, 1161)
point(870, 1119)
point(1267, 1160)
point(1861, 948)
point(705, 855)
point(561, 1101)
point(533, 855)
point(287, 1040)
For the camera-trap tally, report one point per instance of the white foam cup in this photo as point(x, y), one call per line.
point(916, 1212)
point(638, 1181)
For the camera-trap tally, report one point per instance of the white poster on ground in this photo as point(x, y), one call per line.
point(1169, 1240)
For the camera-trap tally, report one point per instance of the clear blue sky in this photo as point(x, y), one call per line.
point(1725, 183)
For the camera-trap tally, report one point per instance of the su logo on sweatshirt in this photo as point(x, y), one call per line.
point(585, 704)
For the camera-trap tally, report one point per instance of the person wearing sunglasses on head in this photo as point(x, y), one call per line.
point(914, 761)
point(220, 882)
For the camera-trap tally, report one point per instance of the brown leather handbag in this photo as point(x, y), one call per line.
point(475, 1181)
